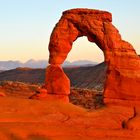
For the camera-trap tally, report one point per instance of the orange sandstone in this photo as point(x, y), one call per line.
point(123, 73)
point(2, 94)
point(56, 81)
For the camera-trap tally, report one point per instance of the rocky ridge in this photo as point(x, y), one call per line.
point(89, 99)
point(90, 77)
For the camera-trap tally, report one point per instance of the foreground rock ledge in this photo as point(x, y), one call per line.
point(25, 119)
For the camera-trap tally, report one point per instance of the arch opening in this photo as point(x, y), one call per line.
point(87, 73)
point(83, 49)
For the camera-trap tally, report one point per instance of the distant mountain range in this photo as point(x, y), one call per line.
point(7, 65)
point(81, 77)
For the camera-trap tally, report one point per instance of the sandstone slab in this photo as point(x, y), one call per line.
point(24, 119)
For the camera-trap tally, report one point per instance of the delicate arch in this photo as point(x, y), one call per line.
point(120, 56)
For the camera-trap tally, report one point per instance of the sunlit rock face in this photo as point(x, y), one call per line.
point(57, 81)
point(123, 73)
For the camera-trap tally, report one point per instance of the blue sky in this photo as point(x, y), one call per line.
point(26, 25)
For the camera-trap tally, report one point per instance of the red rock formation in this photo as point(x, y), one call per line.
point(57, 84)
point(123, 74)
point(56, 81)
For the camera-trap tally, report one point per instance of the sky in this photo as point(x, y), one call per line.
point(26, 25)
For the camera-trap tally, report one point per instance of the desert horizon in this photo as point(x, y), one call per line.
point(26, 28)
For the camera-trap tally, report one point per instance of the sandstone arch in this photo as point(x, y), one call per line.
point(123, 73)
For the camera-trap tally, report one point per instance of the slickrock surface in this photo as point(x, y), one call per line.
point(25, 119)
